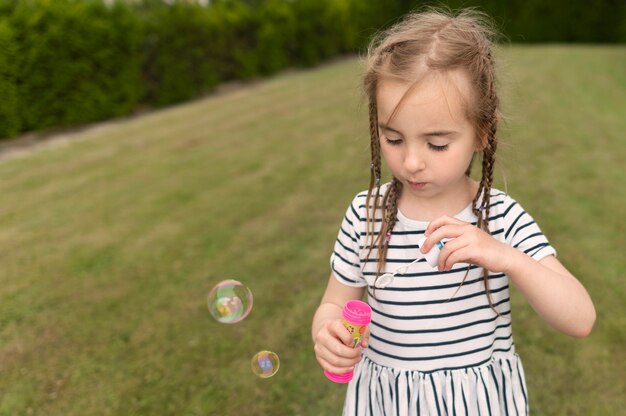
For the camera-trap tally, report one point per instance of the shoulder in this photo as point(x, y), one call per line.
point(500, 201)
point(516, 225)
point(356, 209)
point(360, 202)
point(503, 204)
point(505, 211)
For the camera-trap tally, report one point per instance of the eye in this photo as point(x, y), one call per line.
point(438, 148)
point(393, 142)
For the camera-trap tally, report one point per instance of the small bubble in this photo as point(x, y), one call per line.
point(265, 364)
point(230, 301)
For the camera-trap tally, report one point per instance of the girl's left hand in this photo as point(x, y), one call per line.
point(467, 244)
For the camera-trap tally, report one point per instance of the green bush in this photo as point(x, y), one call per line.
point(10, 122)
point(67, 62)
point(240, 39)
point(276, 36)
point(78, 61)
point(553, 21)
point(178, 53)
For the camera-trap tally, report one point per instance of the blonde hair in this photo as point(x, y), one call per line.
point(433, 40)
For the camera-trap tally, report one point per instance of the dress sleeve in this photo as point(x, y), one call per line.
point(345, 262)
point(522, 232)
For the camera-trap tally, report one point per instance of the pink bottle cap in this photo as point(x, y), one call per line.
point(357, 312)
point(339, 378)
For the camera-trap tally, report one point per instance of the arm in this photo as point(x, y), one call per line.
point(331, 339)
point(552, 291)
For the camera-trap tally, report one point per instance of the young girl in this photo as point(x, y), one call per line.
point(440, 339)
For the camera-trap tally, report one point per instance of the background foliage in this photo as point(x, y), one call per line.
point(67, 62)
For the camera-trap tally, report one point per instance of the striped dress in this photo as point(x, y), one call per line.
point(436, 347)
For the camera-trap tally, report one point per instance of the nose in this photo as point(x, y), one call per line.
point(414, 159)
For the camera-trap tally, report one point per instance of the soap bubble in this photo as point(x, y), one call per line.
point(230, 301)
point(265, 364)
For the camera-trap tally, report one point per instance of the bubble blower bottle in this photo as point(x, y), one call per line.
point(356, 316)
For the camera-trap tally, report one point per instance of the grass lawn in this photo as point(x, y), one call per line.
point(111, 242)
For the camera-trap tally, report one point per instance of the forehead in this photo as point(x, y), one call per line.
point(437, 99)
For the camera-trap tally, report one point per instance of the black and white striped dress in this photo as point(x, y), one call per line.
point(436, 347)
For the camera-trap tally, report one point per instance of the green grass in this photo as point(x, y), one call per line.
point(111, 242)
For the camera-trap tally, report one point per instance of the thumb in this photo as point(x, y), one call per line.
point(342, 333)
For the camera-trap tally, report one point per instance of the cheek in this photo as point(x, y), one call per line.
point(468, 150)
point(469, 156)
point(388, 158)
point(464, 161)
point(387, 151)
point(455, 162)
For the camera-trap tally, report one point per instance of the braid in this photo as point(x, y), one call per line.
point(489, 155)
point(375, 172)
point(389, 203)
point(390, 215)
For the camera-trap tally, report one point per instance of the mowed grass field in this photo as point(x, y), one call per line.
point(110, 242)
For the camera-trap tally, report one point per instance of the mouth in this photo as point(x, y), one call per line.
point(416, 185)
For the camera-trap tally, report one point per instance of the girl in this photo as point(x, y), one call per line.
point(440, 340)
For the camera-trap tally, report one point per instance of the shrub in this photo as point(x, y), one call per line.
point(67, 62)
point(176, 56)
point(77, 62)
point(9, 118)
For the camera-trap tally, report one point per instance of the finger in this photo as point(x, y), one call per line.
point(333, 368)
point(459, 256)
point(440, 222)
point(342, 333)
point(446, 259)
point(335, 360)
point(442, 233)
point(336, 347)
point(366, 338)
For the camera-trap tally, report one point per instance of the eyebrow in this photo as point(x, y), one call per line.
point(439, 133)
point(436, 133)
point(386, 127)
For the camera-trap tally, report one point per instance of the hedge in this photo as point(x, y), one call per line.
point(68, 62)
point(77, 61)
point(10, 122)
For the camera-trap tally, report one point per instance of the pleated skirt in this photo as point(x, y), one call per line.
point(495, 388)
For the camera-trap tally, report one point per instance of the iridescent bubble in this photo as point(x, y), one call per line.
point(265, 364)
point(230, 301)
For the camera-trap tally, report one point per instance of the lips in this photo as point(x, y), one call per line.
point(416, 185)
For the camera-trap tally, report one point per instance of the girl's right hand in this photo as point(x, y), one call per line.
point(333, 347)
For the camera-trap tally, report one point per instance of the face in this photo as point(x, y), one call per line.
point(429, 142)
